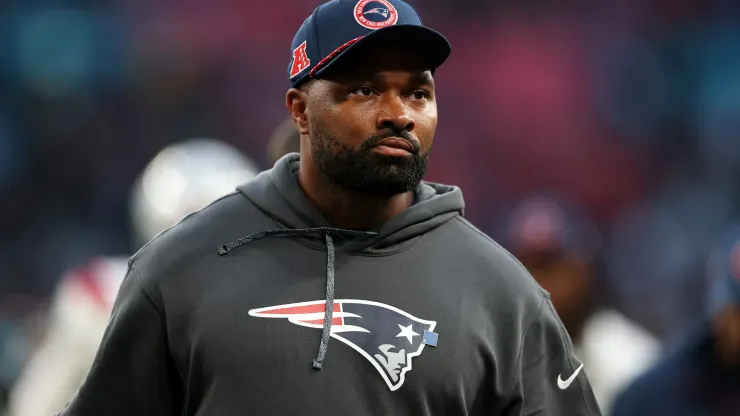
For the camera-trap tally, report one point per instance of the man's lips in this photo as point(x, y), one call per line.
point(395, 146)
point(397, 143)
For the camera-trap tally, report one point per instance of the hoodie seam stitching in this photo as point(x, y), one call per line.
point(540, 312)
point(568, 352)
point(160, 312)
point(492, 241)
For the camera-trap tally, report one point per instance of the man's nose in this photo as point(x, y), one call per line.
point(394, 114)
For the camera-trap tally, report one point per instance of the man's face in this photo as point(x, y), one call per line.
point(372, 121)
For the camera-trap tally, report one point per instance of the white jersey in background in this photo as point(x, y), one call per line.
point(614, 351)
point(77, 319)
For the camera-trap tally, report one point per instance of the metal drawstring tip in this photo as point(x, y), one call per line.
point(317, 365)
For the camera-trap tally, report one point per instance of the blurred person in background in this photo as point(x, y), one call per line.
point(182, 178)
point(284, 140)
point(560, 246)
point(701, 375)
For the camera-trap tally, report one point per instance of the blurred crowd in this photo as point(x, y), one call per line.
point(626, 112)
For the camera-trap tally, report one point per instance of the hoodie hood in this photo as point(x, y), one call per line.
point(277, 193)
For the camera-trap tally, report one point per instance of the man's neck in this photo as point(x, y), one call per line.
point(346, 209)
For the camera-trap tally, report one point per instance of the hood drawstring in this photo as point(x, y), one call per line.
point(326, 231)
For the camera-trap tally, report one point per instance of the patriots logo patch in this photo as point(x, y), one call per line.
point(378, 10)
point(386, 336)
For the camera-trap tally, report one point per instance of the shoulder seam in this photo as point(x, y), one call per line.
point(166, 230)
point(492, 241)
point(564, 341)
point(140, 283)
point(536, 317)
point(161, 313)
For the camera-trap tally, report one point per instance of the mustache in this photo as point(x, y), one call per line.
point(388, 133)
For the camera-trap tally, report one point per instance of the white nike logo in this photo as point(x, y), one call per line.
point(563, 384)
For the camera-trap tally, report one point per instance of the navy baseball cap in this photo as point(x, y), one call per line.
point(724, 275)
point(337, 27)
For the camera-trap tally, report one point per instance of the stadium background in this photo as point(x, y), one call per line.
point(628, 108)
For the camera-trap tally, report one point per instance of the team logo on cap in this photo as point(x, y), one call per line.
point(375, 14)
point(300, 60)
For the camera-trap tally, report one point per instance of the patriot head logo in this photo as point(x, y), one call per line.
point(386, 336)
point(375, 14)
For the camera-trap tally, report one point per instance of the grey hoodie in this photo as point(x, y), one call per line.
point(256, 306)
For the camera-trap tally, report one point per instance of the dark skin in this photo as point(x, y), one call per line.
point(726, 322)
point(385, 92)
point(726, 326)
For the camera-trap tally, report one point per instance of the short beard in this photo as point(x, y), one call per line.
point(362, 170)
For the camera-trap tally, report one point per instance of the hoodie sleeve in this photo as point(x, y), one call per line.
point(133, 372)
point(550, 380)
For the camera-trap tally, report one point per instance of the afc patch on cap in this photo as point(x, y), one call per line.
point(300, 60)
point(375, 14)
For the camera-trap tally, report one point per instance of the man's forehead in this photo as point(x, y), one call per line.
point(383, 77)
point(377, 59)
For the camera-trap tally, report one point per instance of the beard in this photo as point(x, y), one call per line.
point(364, 171)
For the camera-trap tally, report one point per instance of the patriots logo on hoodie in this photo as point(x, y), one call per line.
point(386, 336)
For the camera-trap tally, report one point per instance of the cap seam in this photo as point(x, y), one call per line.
point(316, 30)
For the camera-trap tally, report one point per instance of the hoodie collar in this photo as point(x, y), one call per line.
point(277, 193)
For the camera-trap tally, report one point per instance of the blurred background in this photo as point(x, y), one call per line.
point(626, 112)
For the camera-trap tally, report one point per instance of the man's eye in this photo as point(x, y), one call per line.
point(420, 95)
point(363, 91)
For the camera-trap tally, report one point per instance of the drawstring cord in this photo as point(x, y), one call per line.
point(330, 257)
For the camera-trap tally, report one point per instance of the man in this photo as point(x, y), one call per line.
point(182, 178)
point(559, 245)
point(338, 282)
point(702, 375)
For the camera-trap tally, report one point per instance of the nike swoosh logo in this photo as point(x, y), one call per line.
point(563, 384)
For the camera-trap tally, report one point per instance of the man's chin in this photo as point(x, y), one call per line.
point(387, 185)
point(382, 190)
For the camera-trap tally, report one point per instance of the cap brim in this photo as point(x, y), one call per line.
point(428, 43)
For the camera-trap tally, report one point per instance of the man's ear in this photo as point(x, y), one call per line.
point(297, 103)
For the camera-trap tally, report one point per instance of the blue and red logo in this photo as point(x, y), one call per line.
point(386, 336)
point(300, 60)
point(375, 14)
